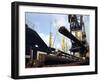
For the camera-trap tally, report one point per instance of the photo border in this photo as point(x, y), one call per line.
point(15, 39)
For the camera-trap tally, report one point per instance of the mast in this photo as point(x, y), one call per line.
point(50, 39)
point(63, 43)
point(50, 35)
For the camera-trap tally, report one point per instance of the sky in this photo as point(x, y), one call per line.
point(43, 23)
